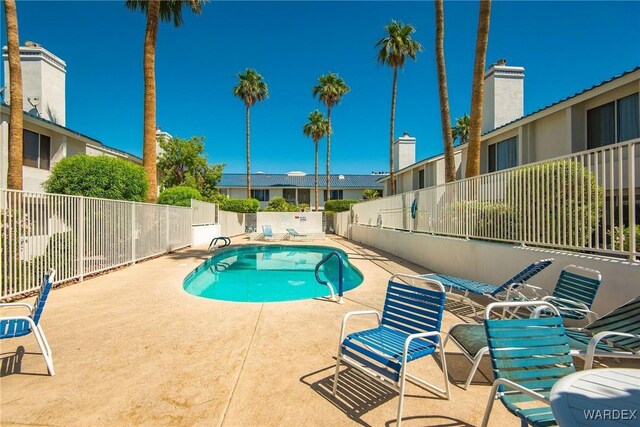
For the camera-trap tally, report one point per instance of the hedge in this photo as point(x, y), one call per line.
point(339, 205)
point(240, 205)
point(279, 204)
point(179, 196)
point(98, 176)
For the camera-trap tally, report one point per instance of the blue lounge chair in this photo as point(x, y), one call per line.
point(408, 329)
point(467, 286)
point(295, 235)
point(17, 326)
point(267, 233)
point(528, 357)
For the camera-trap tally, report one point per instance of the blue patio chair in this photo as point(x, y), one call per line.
point(616, 334)
point(408, 329)
point(295, 235)
point(267, 233)
point(467, 286)
point(573, 294)
point(528, 357)
point(17, 326)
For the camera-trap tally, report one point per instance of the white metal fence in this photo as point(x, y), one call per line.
point(79, 236)
point(203, 213)
point(587, 202)
point(231, 223)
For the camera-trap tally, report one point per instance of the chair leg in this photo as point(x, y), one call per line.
point(336, 375)
point(44, 338)
point(45, 349)
point(487, 411)
point(476, 363)
point(401, 397)
point(444, 370)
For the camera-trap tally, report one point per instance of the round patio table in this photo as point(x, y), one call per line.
point(597, 397)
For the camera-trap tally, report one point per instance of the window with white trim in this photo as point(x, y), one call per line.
point(36, 150)
point(503, 155)
point(615, 121)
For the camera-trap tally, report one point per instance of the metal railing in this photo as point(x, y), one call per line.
point(203, 213)
point(80, 236)
point(340, 261)
point(584, 202)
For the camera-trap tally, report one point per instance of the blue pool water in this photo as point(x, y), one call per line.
point(269, 273)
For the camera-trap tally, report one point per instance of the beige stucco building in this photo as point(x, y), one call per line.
point(607, 113)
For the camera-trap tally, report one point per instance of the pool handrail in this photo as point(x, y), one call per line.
point(326, 258)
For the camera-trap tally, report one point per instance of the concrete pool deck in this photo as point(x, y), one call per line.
point(132, 348)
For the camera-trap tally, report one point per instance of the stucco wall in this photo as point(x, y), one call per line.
point(302, 222)
point(495, 262)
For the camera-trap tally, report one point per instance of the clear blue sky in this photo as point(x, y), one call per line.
point(564, 46)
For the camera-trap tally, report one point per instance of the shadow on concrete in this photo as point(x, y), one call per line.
point(11, 363)
point(357, 393)
point(431, 420)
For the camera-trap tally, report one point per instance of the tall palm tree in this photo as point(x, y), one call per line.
point(156, 11)
point(330, 90)
point(447, 140)
point(316, 128)
point(477, 90)
point(251, 89)
point(14, 173)
point(394, 50)
point(461, 129)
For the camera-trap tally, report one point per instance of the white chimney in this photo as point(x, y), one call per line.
point(503, 100)
point(43, 82)
point(404, 152)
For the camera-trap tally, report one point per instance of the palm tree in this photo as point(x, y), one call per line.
point(330, 90)
point(316, 128)
point(394, 50)
point(156, 11)
point(14, 173)
point(477, 90)
point(461, 130)
point(447, 140)
point(251, 89)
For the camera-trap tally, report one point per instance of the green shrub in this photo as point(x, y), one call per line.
point(240, 205)
point(179, 196)
point(482, 219)
point(371, 194)
point(626, 231)
point(98, 176)
point(553, 201)
point(279, 204)
point(339, 205)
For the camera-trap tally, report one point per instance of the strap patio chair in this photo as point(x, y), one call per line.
point(267, 233)
point(616, 334)
point(17, 326)
point(528, 357)
point(294, 235)
point(573, 294)
point(408, 329)
point(509, 287)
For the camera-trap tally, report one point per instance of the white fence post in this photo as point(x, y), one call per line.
point(133, 233)
point(81, 237)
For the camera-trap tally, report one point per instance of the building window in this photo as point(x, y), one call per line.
point(421, 179)
point(503, 155)
point(335, 194)
point(616, 121)
point(261, 195)
point(36, 150)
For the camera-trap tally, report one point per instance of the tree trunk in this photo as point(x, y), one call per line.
point(477, 90)
point(392, 174)
point(14, 173)
point(328, 155)
point(316, 177)
point(447, 138)
point(248, 130)
point(149, 139)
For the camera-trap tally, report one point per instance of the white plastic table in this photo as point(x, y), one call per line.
point(597, 397)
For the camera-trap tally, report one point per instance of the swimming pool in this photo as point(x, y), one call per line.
point(269, 273)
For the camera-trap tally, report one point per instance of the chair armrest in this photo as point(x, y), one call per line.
point(528, 291)
point(407, 342)
point(564, 304)
point(356, 313)
point(595, 340)
point(510, 384)
point(16, 304)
